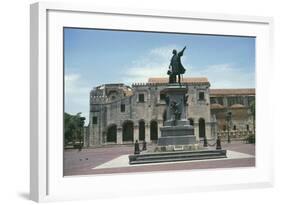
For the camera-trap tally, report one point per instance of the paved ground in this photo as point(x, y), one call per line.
point(83, 162)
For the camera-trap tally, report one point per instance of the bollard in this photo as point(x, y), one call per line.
point(205, 142)
point(137, 147)
point(144, 145)
point(218, 143)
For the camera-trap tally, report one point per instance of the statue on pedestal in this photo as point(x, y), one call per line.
point(175, 67)
point(177, 141)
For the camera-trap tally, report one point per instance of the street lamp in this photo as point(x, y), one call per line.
point(228, 119)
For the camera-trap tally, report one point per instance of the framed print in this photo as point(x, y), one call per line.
point(154, 101)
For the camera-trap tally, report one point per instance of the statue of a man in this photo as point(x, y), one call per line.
point(175, 67)
point(175, 110)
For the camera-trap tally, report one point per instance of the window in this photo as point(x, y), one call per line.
point(162, 96)
point(95, 120)
point(250, 99)
point(224, 127)
point(247, 127)
point(216, 100)
point(141, 97)
point(220, 100)
point(213, 100)
point(234, 127)
point(235, 100)
point(122, 107)
point(201, 96)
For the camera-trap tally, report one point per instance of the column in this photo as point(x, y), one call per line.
point(119, 136)
point(159, 124)
point(208, 130)
point(147, 132)
point(136, 133)
point(196, 130)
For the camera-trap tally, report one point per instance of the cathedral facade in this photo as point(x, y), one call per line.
point(121, 114)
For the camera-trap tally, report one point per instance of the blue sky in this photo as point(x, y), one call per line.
point(94, 57)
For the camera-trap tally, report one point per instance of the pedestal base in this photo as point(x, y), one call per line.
point(158, 157)
point(171, 148)
point(177, 135)
point(176, 140)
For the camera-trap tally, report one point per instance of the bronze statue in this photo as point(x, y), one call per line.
point(137, 147)
point(175, 110)
point(175, 67)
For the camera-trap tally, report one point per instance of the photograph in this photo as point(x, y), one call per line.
point(146, 101)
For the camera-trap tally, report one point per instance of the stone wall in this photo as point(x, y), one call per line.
point(241, 118)
point(144, 104)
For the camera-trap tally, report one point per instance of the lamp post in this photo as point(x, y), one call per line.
point(228, 119)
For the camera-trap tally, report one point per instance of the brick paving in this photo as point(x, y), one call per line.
point(81, 163)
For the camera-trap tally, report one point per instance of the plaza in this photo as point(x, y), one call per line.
point(181, 120)
point(109, 159)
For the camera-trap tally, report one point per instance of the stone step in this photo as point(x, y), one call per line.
point(180, 152)
point(176, 156)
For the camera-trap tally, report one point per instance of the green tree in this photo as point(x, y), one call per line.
point(251, 138)
point(73, 128)
point(253, 113)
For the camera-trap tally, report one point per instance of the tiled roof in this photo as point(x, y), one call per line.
point(239, 91)
point(216, 106)
point(162, 80)
point(237, 106)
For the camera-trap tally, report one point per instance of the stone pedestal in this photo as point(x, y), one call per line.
point(176, 129)
point(177, 141)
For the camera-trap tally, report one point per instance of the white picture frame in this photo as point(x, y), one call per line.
point(46, 179)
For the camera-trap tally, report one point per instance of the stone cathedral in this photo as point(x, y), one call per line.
point(121, 114)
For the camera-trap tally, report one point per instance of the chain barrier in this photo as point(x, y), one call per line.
point(211, 145)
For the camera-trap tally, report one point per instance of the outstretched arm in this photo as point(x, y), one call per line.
point(181, 52)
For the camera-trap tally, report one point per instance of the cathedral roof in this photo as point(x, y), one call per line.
point(192, 80)
point(239, 91)
point(237, 106)
point(216, 106)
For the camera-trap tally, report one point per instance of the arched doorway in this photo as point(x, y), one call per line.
point(128, 131)
point(153, 130)
point(111, 134)
point(141, 130)
point(191, 121)
point(202, 132)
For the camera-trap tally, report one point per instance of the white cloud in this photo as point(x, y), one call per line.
point(225, 76)
point(157, 60)
point(163, 52)
point(142, 73)
point(76, 95)
point(74, 84)
point(154, 64)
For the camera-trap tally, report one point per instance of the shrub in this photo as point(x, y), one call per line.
point(251, 139)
